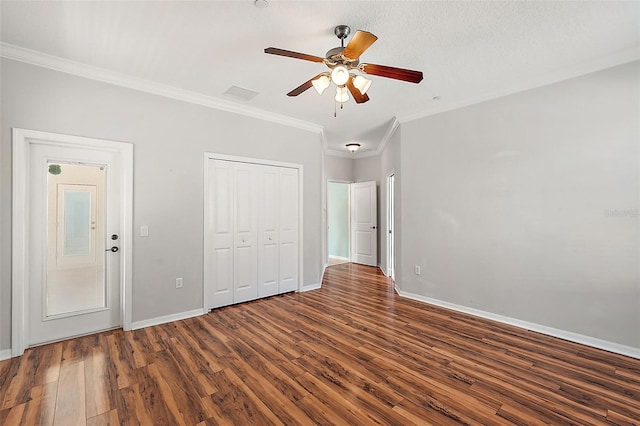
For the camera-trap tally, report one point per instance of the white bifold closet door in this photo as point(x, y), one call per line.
point(251, 233)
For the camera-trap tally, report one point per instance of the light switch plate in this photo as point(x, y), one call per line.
point(144, 231)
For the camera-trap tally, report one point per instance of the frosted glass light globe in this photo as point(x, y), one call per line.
point(340, 75)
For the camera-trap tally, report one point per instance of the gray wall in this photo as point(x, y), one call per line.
point(338, 168)
point(169, 140)
point(367, 169)
point(527, 206)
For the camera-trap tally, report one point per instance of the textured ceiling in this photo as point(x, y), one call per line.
point(468, 51)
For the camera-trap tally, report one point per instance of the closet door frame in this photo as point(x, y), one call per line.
point(208, 246)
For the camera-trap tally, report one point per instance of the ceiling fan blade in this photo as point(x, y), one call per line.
point(360, 42)
point(304, 86)
point(290, 54)
point(357, 96)
point(392, 72)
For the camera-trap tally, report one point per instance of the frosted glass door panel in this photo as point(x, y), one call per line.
point(77, 222)
point(75, 239)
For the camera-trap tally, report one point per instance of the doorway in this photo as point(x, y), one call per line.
point(338, 229)
point(71, 237)
point(391, 226)
point(352, 234)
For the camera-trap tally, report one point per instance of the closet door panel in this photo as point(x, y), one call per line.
point(220, 231)
point(288, 230)
point(268, 236)
point(245, 274)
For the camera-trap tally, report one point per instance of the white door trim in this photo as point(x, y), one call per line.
point(22, 141)
point(213, 156)
point(391, 225)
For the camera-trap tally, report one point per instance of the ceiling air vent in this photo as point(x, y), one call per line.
point(240, 93)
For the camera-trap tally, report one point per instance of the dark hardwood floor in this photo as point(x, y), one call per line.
point(352, 353)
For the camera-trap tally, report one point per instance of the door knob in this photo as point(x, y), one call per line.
point(113, 249)
point(373, 227)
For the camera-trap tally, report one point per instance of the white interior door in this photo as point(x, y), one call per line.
point(218, 265)
point(289, 221)
point(252, 230)
point(364, 219)
point(268, 235)
point(245, 255)
point(73, 277)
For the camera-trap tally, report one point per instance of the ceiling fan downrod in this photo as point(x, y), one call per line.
point(342, 32)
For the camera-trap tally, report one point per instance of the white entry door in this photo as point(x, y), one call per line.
point(364, 219)
point(74, 242)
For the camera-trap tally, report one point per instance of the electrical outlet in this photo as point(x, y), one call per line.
point(417, 270)
point(178, 282)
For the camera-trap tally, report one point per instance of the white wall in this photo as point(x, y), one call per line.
point(169, 139)
point(527, 206)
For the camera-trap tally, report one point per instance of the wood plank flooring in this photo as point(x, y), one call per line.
point(351, 353)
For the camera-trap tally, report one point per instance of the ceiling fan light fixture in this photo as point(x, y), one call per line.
point(361, 83)
point(340, 75)
point(321, 84)
point(342, 95)
point(353, 147)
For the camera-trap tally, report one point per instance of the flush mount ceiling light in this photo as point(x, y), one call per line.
point(261, 3)
point(353, 147)
point(345, 66)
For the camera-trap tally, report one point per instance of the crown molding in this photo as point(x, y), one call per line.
point(609, 61)
point(388, 135)
point(67, 66)
point(323, 137)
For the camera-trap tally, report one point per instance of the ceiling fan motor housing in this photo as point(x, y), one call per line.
point(334, 57)
point(342, 31)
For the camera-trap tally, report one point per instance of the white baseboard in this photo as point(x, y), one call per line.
point(384, 271)
point(346, 259)
point(311, 287)
point(5, 354)
point(166, 318)
point(550, 331)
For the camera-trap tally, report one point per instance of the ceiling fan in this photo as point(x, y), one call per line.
point(341, 62)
